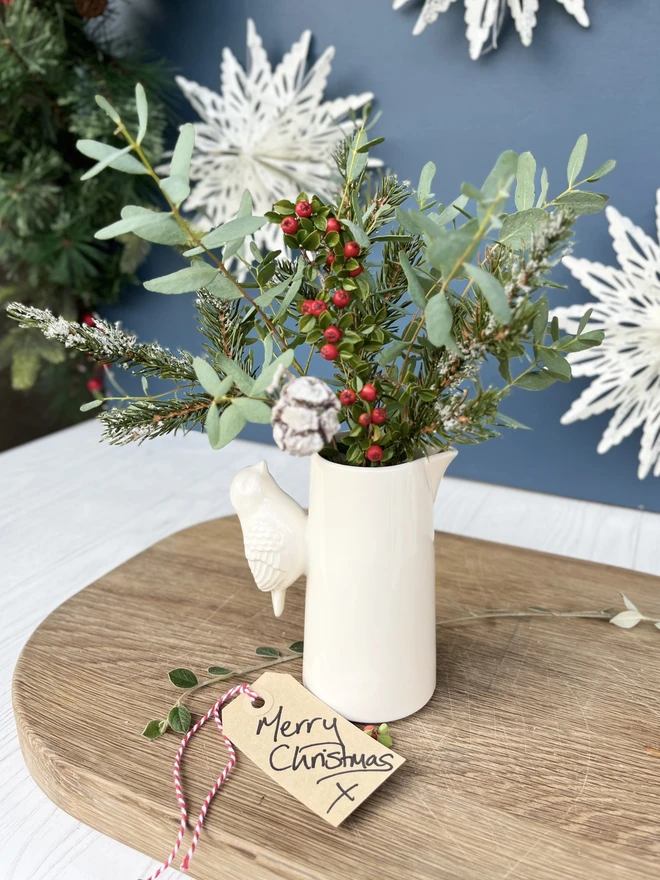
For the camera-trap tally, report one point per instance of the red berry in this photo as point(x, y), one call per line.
point(374, 453)
point(370, 729)
point(379, 415)
point(369, 393)
point(347, 397)
point(329, 352)
point(351, 250)
point(89, 320)
point(329, 260)
point(304, 209)
point(289, 226)
point(306, 307)
point(355, 272)
point(341, 298)
point(333, 333)
point(365, 420)
point(333, 225)
point(94, 385)
point(317, 307)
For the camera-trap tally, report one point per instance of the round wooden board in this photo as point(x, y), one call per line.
point(532, 760)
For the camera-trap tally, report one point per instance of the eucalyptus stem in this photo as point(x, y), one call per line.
point(238, 673)
point(194, 237)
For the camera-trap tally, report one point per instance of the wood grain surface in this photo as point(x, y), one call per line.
point(532, 760)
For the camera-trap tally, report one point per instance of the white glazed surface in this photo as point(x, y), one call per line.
point(370, 603)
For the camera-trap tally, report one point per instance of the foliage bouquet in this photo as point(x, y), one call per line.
point(405, 297)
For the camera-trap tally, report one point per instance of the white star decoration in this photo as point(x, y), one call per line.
point(626, 366)
point(269, 132)
point(484, 18)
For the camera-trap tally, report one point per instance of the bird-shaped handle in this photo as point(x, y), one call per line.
point(274, 531)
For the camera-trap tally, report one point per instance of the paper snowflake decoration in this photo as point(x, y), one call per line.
point(484, 19)
point(626, 367)
point(269, 132)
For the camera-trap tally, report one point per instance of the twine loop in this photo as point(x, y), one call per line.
point(214, 712)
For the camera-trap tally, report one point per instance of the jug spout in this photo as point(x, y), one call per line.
point(436, 465)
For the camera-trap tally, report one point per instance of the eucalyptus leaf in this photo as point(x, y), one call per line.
point(576, 159)
point(498, 183)
point(604, 169)
point(209, 379)
point(452, 247)
point(627, 619)
point(232, 423)
point(267, 374)
point(104, 163)
point(244, 210)
point(584, 320)
point(292, 293)
point(545, 183)
point(185, 280)
point(238, 375)
point(556, 364)
point(107, 107)
point(256, 411)
point(629, 605)
point(234, 229)
point(155, 729)
point(131, 222)
point(212, 425)
point(391, 352)
point(517, 229)
point(183, 678)
point(164, 229)
point(177, 185)
point(536, 381)
point(424, 193)
point(142, 108)
point(452, 211)
point(120, 160)
point(583, 202)
point(492, 290)
point(223, 287)
point(267, 652)
point(359, 234)
point(525, 176)
point(91, 404)
point(415, 289)
point(180, 719)
point(439, 318)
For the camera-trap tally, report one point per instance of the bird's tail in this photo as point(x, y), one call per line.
point(278, 597)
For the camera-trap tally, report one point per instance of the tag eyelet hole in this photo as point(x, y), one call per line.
point(259, 703)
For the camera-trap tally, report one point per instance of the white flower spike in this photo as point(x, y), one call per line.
point(626, 367)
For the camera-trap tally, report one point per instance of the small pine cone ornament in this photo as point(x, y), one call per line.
point(305, 417)
point(91, 8)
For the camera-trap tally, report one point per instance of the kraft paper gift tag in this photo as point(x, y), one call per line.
point(307, 748)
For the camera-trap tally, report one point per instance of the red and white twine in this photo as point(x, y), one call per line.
point(214, 712)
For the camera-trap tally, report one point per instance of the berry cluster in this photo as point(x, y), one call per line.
point(365, 416)
point(310, 226)
point(342, 334)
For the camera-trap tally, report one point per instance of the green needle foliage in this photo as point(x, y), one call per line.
point(52, 63)
point(406, 296)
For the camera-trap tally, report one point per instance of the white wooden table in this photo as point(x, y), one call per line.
point(73, 509)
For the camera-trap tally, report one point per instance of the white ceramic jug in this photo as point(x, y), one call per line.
point(370, 630)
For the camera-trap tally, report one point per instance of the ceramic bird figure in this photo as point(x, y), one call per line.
point(274, 531)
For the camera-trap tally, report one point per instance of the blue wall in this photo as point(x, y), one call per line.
point(439, 105)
